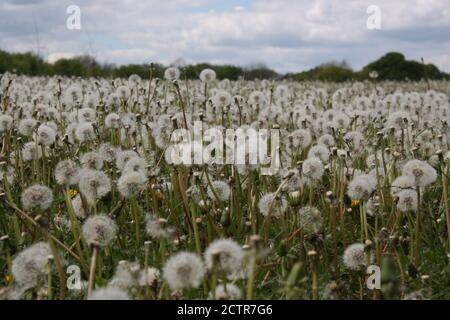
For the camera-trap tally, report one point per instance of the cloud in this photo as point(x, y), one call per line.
point(288, 35)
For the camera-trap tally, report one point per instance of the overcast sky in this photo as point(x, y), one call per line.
point(287, 35)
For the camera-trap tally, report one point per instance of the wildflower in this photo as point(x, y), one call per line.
point(222, 190)
point(94, 184)
point(279, 205)
point(407, 200)
point(207, 75)
point(172, 73)
point(402, 183)
point(123, 92)
point(131, 183)
point(320, 152)
point(355, 256)
point(27, 126)
point(228, 253)
point(109, 293)
point(313, 168)
point(30, 265)
point(84, 132)
point(183, 270)
point(66, 172)
point(327, 140)
point(46, 135)
point(73, 193)
point(222, 99)
point(108, 152)
point(112, 120)
point(99, 230)
point(78, 208)
point(355, 202)
point(361, 187)
point(310, 220)
point(31, 152)
point(136, 164)
point(421, 171)
point(7, 174)
point(256, 98)
point(92, 160)
point(301, 138)
point(122, 157)
point(37, 197)
point(295, 181)
point(149, 277)
point(126, 276)
point(355, 140)
point(6, 122)
point(193, 192)
point(86, 115)
point(156, 227)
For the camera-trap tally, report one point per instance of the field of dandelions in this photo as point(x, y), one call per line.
point(85, 185)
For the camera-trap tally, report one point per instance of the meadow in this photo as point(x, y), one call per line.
point(92, 208)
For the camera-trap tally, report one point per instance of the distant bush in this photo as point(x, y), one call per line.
point(391, 66)
point(394, 66)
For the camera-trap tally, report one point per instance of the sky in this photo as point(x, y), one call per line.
point(286, 35)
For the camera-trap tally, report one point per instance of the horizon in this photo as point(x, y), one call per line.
point(286, 36)
point(255, 66)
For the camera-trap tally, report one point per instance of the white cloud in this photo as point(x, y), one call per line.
point(288, 35)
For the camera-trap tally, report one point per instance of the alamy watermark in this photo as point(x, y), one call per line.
point(240, 146)
point(374, 277)
point(373, 22)
point(73, 21)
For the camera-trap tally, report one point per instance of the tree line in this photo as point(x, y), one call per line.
point(86, 66)
point(392, 66)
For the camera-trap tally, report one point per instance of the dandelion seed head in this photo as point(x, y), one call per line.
point(27, 127)
point(92, 160)
point(45, 135)
point(279, 205)
point(150, 277)
point(229, 255)
point(94, 184)
point(156, 227)
point(131, 183)
point(37, 197)
point(99, 230)
point(313, 168)
point(319, 151)
point(66, 172)
point(355, 257)
point(6, 122)
point(112, 120)
point(122, 157)
point(183, 270)
point(222, 189)
point(310, 219)
point(407, 200)
point(171, 73)
point(421, 171)
point(108, 152)
point(207, 75)
point(361, 187)
point(84, 132)
point(30, 264)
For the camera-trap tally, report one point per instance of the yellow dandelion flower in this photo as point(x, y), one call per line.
point(73, 193)
point(355, 202)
